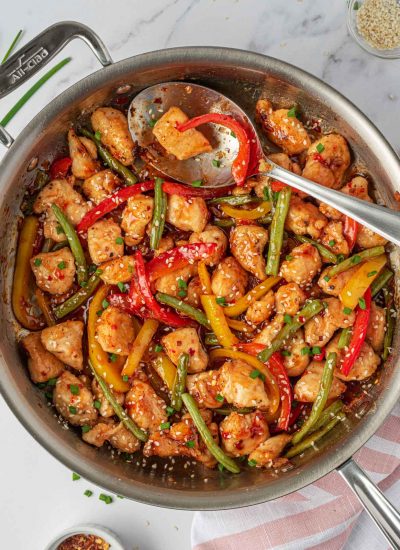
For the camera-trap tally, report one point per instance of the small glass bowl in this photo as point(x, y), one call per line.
point(352, 11)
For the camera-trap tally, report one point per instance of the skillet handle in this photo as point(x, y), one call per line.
point(40, 50)
point(386, 517)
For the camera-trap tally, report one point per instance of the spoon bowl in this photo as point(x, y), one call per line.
point(213, 168)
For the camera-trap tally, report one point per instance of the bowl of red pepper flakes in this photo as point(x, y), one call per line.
point(86, 537)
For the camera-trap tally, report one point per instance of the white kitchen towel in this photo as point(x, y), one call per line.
point(323, 516)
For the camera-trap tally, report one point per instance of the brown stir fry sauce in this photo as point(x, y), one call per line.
point(173, 321)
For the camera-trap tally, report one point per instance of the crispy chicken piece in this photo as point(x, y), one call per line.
point(269, 332)
point(332, 237)
point(307, 388)
point(166, 243)
point(61, 193)
point(212, 234)
point(320, 329)
point(239, 388)
point(204, 387)
point(334, 285)
point(261, 310)
point(229, 280)
point(304, 264)
point(247, 245)
point(289, 299)
point(296, 362)
point(54, 271)
point(259, 183)
point(100, 185)
point(105, 409)
point(65, 342)
point(267, 454)
point(183, 145)
point(364, 366)
point(173, 442)
point(145, 407)
point(241, 434)
point(357, 187)
point(105, 241)
point(90, 146)
point(188, 214)
point(77, 408)
point(366, 238)
point(376, 327)
point(282, 129)
point(117, 271)
point(186, 340)
point(194, 291)
point(304, 218)
point(115, 331)
point(328, 166)
point(116, 434)
point(169, 284)
point(115, 135)
point(83, 163)
point(135, 217)
point(42, 364)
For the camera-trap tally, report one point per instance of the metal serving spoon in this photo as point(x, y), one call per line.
point(150, 104)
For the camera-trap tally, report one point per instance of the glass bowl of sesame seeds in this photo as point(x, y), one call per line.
point(375, 26)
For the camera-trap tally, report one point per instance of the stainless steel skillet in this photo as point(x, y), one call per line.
point(242, 76)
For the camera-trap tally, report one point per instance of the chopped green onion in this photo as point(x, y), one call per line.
point(165, 425)
point(37, 262)
point(219, 397)
point(105, 304)
point(86, 429)
point(97, 135)
point(121, 286)
point(158, 348)
point(347, 310)
point(72, 409)
point(320, 148)
point(221, 300)
point(257, 374)
point(106, 498)
point(216, 163)
point(190, 444)
point(125, 378)
point(292, 112)
point(252, 463)
point(97, 404)
point(88, 493)
point(119, 240)
point(75, 476)
point(74, 389)
point(287, 318)
point(197, 183)
point(361, 303)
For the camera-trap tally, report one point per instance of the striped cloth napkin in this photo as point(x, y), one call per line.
point(323, 516)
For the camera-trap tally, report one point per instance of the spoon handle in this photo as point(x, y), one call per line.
point(382, 220)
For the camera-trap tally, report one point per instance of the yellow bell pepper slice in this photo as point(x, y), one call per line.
point(165, 369)
point(219, 325)
point(272, 386)
point(361, 279)
point(22, 284)
point(44, 307)
point(109, 371)
point(241, 214)
point(139, 346)
point(252, 296)
point(204, 277)
point(241, 326)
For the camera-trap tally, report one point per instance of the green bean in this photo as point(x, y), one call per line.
point(321, 399)
point(74, 243)
point(224, 222)
point(325, 252)
point(183, 307)
point(179, 382)
point(326, 415)
point(47, 245)
point(314, 437)
point(265, 220)
point(355, 260)
point(59, 246)
point(234, 200)
point(226, 411)
point(210, 339)
point(311, 309)
point(206, 436)
point(128, 176)
point(78, 298)
point(276, 232)
point(344, 338)
point(383, 278)
point(390, 325)
point(160, 210)
point(119, 411)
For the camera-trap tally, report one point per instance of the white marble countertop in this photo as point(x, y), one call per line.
point(38, 497)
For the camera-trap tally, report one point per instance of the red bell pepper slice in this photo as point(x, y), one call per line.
point(157, 312)
point(241, 163)
point(172, 188)
point(277, 368)
point(111, 203)
point(350, 231)
point(60, 167)
point(178, 257)
point(359, 333)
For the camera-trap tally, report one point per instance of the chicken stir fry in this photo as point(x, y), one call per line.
point(217, 326)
